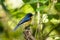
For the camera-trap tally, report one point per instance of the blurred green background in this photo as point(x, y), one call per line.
point(12, 11)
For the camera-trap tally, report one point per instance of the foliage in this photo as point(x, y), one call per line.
point(49, 14)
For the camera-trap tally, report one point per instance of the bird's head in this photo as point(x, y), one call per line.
point(29, 15)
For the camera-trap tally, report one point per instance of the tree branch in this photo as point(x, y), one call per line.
point(28, 34)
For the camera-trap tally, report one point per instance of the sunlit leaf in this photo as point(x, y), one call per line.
point(55, 21)
point(27, 9)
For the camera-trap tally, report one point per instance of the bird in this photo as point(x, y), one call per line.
point(26, 20)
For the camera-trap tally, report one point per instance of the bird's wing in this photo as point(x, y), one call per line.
point(25, 19)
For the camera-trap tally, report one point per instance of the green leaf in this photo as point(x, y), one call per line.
point(25, 1)
point(30, 1)
point(57, 7)
point(43, 1)
point(27, 8)
point(41, 8)
point(35, 1)
point(53, 16)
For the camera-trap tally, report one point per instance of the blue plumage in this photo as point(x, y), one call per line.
point(25, 19)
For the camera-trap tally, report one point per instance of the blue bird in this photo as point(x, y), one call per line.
point(27, 18)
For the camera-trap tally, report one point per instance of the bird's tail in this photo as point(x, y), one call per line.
point(17, 27)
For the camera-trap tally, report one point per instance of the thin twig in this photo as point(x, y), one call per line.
point(52, 30)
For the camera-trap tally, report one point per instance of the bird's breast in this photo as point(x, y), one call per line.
point(27, 23)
